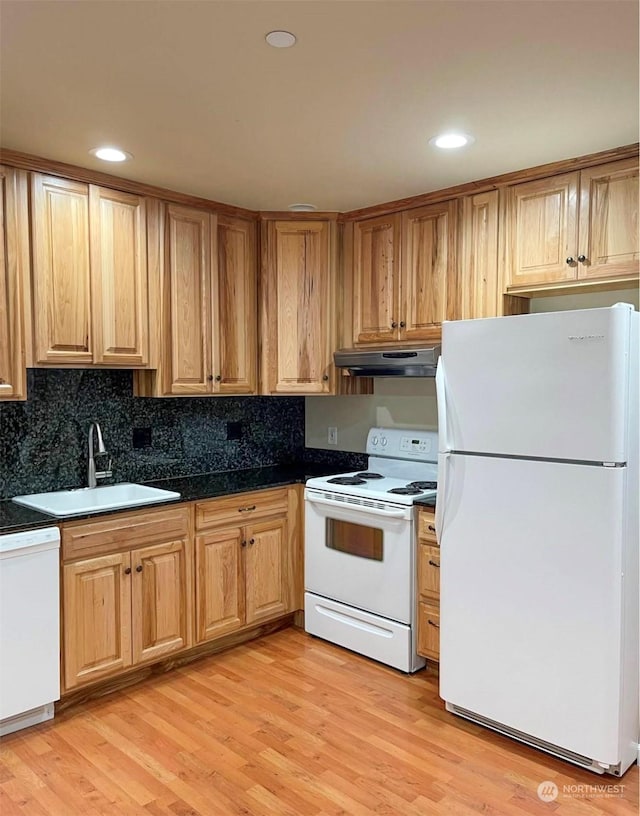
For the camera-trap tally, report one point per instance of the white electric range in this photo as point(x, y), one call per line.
point(360, 559)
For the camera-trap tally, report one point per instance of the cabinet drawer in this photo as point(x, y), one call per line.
point(429, 570)
point(124, 531)
point(241, 508)
point(429, 630)
point(427, 527)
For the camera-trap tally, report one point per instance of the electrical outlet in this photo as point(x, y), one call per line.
point(234, 430)
point(332, 436)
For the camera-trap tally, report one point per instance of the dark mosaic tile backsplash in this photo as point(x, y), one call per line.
point(43, 441)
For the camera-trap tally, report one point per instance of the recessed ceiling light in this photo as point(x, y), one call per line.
point(281, 39)
point(448, 141)
point(110, 154)
point(302, 207)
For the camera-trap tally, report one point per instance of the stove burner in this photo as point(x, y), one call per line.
point(405, 491)
point(423, 485)
point(368, 475)
point(346, 480)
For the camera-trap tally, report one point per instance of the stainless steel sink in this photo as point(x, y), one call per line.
point(64, 503)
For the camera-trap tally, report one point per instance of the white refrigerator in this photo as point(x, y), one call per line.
point(537, 519)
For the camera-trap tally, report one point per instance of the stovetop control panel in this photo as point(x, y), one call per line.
point(400, 443)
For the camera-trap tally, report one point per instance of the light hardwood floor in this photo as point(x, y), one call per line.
point(285, 725)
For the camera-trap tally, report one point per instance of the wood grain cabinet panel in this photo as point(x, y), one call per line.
point(428, 586)
point(61, 272)
point(608, 237)
point(118, 233)
point(159, 598)
point(298, 325)
point(428, 630)
point(219, 583)
point(265, 570)
point(427, 282)
point(96, 618)
point(376, 293)
point(14, 265)
point(478, 287)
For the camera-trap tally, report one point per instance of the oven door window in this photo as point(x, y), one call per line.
point(360, 540)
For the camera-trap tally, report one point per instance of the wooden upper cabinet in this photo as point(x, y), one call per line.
point(542, 230)
point(427, 282)
point(574, 227)
point(608, 234)
point(376, 291)
point(234, 308)
point(61, 273)
point(14, 265)
point(118, 234)
point(90, 276)
point(478, 286)
point(187, 313)
point(298, 311)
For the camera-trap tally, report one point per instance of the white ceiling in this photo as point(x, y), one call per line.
point(340, 120)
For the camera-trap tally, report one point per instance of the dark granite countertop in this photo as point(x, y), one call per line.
point(14, 517)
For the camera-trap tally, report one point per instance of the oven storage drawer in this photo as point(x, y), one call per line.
point(369, 635)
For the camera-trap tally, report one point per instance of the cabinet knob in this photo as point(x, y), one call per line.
point(252, 541)
point(243, 543)
point(582, 258)
point(209, 377)
point(571, 260)
point(402, 324)
point(325, 377)
point(218, 377)
point(394, 325)
point(127, 571)
point(434, 563)
point(139, 568)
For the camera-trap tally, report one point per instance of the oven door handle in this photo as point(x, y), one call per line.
point(370, 511)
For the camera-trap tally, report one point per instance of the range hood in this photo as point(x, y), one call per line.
point(389, 362)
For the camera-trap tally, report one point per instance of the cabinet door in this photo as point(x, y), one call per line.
point(159, 600)
point(96, 618)
point(265, 570)
point(119, 277)
point(187, 317)
point(219, 583)
point(376, 245)
point(542, 231)
point(14, 260)
point(298, 320)
point(429, 630)
point(61, 277)
point(429, 571)
point(428, 270)
point(478, 285)
point(234, 308)
point(609, 220)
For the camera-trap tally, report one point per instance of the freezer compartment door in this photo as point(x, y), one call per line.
point(553, 386)
point(531, 599)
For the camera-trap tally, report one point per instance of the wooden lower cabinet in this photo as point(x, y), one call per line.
point(246, 573)
point(428, 586)
point(128, 607)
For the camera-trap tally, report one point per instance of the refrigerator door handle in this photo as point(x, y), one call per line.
point(443, 436)
point(443, 464)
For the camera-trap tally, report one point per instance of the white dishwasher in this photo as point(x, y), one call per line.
point(29, 627)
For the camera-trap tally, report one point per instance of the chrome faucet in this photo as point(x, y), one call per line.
point(92, 475)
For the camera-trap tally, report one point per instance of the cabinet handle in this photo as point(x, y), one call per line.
point(571, 260)
point(127, 571)
point(431, 528)
point(209, 377)
point(325, 377)
point(139, 568)
point(402, 324)
point(394, 325)
point(434, 564)
point(582, 258)
point(431, 623)
point(246, 509)
point(252, 541)
point(218, 377)
point(243, 543)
